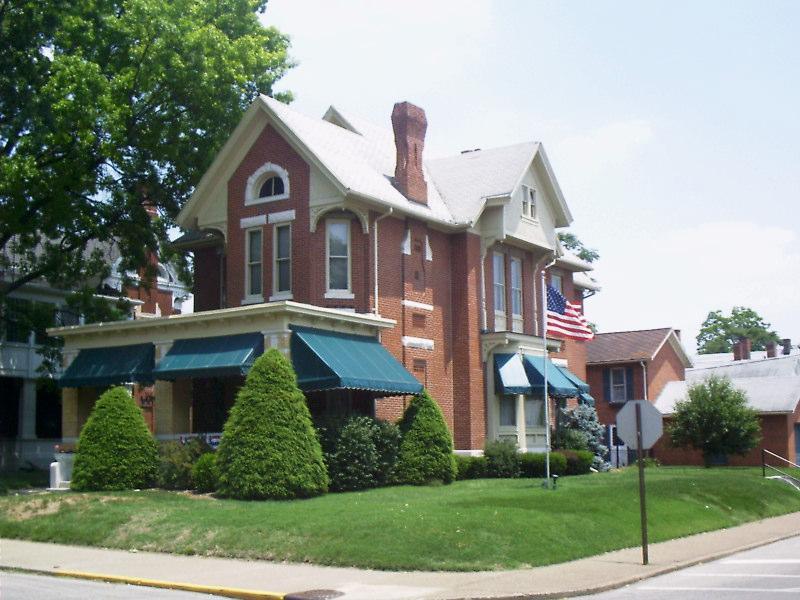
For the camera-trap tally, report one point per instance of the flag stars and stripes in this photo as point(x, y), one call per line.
point(565, 318)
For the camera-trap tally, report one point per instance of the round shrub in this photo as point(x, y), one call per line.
point(115, 449)
point(502, 458)
point(532, 464)
point(387, 438)
point(471, 467)
point(269, 448)
point(176, 461)
point(353, 464)
point(571, 439)
point(426, 451)
point(579, 462)
point(205, 474)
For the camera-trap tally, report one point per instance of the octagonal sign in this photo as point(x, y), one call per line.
point(652, 424)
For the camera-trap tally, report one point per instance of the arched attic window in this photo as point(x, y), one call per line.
point(269, 183)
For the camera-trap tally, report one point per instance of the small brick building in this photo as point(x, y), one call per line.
point(342, 226)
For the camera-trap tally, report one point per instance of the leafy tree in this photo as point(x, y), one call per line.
point(719, 332)
point(108, 106)
point(715, 419)
point(571, 242)
point(269, 448)
point(115, 451)
point(426, 449)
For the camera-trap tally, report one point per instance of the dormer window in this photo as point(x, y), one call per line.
point(273, 186)
point(528, 202)
point(269, 183)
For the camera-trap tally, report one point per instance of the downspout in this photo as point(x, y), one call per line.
point(484, 323)
point(644, 377)
point(375, 255)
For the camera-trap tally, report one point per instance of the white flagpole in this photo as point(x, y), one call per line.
point(545, 394)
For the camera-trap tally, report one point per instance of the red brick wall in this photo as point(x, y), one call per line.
point(606, 412)
point(665, 367)
point(775, 438)
point(207, 279)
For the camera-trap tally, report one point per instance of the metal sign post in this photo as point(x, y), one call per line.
point(642, 500)
point(640, 425)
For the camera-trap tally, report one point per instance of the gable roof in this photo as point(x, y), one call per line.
point(359, 159)
point(628, 346)
point(772, 394)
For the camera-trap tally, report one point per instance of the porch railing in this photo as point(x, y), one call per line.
point(794, 478)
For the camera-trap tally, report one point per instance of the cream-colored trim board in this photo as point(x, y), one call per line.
point(248, 222)
point(283, 216)
point(228, 321)
point(415, 304)
point(256, 180)
point(409, 341)
point(559, 362)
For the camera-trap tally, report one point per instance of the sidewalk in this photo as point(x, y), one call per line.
point(597, 573)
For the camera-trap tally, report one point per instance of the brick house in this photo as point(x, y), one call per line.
point(632, 365)
point(772, 385)
point(375, 271)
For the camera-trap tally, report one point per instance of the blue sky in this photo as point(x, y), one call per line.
point(673, 128)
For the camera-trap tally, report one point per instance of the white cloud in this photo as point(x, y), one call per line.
point(675, 277)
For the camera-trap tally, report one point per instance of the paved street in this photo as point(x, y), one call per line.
point(769, 572)
point(19, 586)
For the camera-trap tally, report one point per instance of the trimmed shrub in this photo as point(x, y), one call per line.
point(426, 451)
point(353, 464)
point(205, 474)
point(176, 461)
point(532, 464)
point(570, 439)
point(471, 467)
point(578, 461)
point(387, 438)
point(502, 458)
point(115, 450)
point(269, 448)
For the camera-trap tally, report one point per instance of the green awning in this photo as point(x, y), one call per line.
point(576, 381)
point(220, 356)
point(557, 383)
point(509, 375)
point(99, 367)
point(586, 399)
point(326, 360)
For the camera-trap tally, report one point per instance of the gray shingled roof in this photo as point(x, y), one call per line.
point(765, 394)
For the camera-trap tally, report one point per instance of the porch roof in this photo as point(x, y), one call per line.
point(327, 360)
point(108, 366)
point(219, 356)
point(557, 383)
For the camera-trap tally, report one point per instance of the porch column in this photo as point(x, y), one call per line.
point(173, 401)
point(522, 435)
point(280, 339)
point(69, 413)
point(27, 410)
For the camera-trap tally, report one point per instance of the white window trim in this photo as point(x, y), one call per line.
point(409, 341)
point(251, 222)
point(248, 297)
point(256, 180)
point(415, 304)
point(624, 385)
point(286, 294)
point(532, 213)
point(342, 293)
point(284, 216)
point(560, 288)
point(518, 262)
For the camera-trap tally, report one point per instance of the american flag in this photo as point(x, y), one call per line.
point(565, 319)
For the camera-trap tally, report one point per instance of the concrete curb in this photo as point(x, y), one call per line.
point(172, 585)
point(641, 577)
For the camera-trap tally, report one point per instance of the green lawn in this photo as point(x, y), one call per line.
point(470, 525)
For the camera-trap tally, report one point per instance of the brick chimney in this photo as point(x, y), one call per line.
point(746, 346)
point(787, 346)
point(771, 349)
point(409, 125)
point(737, 350)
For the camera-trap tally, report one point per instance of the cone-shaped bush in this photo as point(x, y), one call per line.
point(269, 448)
point(426, 452)
point(115, 451)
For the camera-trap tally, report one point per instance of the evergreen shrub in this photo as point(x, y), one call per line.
point(115, 449)
point(269, 448)
point(387, 438)
point(532, 464)
point(579, 462)
point(176, 461)
point(205, 474)
point(502, 458)
point(426, 450)
point(354, 463)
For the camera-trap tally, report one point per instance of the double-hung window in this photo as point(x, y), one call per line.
point(516, 294)
point(282, 272)
point(528, 202)
point(253, 270)
point(499, 287)
point(557, 282)
point(338, 250)
point(619, 388)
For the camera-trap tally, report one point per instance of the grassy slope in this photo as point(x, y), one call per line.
point(485, 524)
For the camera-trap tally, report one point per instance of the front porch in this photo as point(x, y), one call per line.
point(194, 364)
